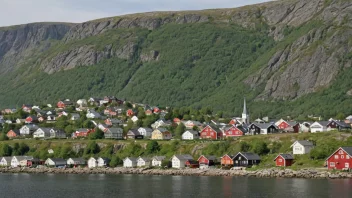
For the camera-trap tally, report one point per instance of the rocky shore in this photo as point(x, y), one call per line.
point(274, 172)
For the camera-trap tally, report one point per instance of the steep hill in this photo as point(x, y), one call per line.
point(296, 53)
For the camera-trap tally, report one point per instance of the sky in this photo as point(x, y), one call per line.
point(14, 12)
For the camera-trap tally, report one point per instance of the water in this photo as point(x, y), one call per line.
point(65, 186)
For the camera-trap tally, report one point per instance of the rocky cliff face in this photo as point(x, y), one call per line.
point(19, 42)
point(307, 63)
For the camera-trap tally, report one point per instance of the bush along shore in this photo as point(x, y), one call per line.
point(273, 172)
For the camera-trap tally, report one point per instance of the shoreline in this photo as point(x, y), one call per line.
point(263, 173)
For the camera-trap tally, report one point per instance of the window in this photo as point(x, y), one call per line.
point(336, 157)
point(332, 164)
point(342, 156)
point(340, 151)
point(280, 160)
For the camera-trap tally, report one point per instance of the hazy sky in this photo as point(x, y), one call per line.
point(13, 12)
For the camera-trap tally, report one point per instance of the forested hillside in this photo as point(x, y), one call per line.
point(290, 57)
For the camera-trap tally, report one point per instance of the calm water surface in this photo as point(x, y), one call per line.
point(65, 186)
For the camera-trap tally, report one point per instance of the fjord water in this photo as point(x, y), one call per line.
point(51, 185)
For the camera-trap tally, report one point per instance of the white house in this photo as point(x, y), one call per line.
point(56, 133)
point(146, 132)
point(130, 162)
point(42, 133)
point(103, 162)
point(157, 160)
point(92, 162)
point(179, 161)
point(55, 162)
point(190, 124)
point(76, 161)
point(28, 129)
point(305, 127)
point(190, 135)
point(91, 114)
point(160, 123)
point(16, 160)
point(75, 116)
point(301, 147)
point(82, 102)
point(143, 162)
point(320, 126)
point(134, 119)
point(5, 161)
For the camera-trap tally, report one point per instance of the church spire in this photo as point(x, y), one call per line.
point(244, 107)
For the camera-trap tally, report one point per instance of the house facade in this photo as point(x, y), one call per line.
point(13, 133)
point(262, 129)
point(134, 134)
point(227, 160)
point(284, 160)
point(190, 135)
point(42, 133)
point(103, 162)
point(233, 131)
point(341, 159)
point(246, 159)
point(146, 132)
point(5, 161)
point(206, 161)
point(92, 162)
point(28, 129)
point(320, 126)
point(161, 134)
point(210, 133)
point(76, 161)
point(143, 162)
point(130, 162)
point(114, 133)
point(301, 147)
point(56, 162)
point(157, 160)
point(179, 161)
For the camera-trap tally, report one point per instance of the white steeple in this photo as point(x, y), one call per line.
point(245, 115)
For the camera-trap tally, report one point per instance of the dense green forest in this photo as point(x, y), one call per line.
point(199, 65)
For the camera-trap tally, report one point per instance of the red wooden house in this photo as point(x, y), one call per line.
point(192, 164)
point(211, 133)
point(341, 159)
point(82, 133)
point(13, 133)
point(233, 131)
point(284, 160)
point(227, 160)
point(233, 121)
point(130, 112)
point(288, 126)
point(156, 110)
point(31, 119)
point(64, 104)
point(206, 161)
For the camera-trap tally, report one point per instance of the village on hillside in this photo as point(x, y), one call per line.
point(112, 118)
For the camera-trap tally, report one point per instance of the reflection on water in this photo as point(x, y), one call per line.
point(100, 185)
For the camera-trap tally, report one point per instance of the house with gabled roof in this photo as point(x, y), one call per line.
point(13, 133)
point(341, 159)
point(144, 162)
point(246, 159)
point(15, 160)
point(227, 160)
point(103, 162)
point(130, 162)
point(234, 131)
point(287, 126)
point(190, 135)
point(206, 161)
point(319, 126)
point(262, 129)
point(284, 160)
point(145, 131)
point(56, 162)
point(27, 108)
point(161, 134)
point(134, 134)
point(179, 161)
point(92, 162)
point(157, 160)
point(28, 129)
point(301, 147)
point(42, 133)
point(57, 133)
point(211, 132)
point(5, 161)
point(113, 133)
point(338, 125)
point(76, 161)
point(31, 119)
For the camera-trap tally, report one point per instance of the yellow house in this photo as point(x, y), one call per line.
point(161, 134)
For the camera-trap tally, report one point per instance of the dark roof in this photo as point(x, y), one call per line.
point(249, 156)
point(133, 131)
point(348, 149)
point(323, 123)
point(343, 124)
point(292, 123)
point(159, 158)
point(114, 130)
point(185, 157)
point(56, 160)
point(264, 125)
point(286, 156)
point(304, 142)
